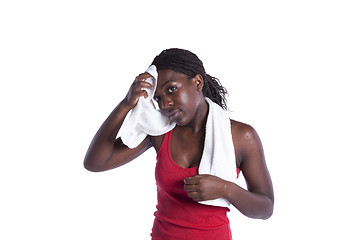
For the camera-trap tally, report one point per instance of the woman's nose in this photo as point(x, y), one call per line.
point(166, 103)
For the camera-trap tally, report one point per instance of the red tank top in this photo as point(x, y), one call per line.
point(178, 216)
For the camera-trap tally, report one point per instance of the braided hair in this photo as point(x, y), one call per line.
point(186, 62)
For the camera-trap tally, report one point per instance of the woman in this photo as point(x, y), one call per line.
point(181, 90)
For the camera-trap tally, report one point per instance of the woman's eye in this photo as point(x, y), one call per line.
point(172, 89)
point(156, 99)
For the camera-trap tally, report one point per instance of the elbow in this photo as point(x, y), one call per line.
point(262, 211)
point(91, 166)
point(267, 215)
point(263, 215)
point(269, 210)
point(94, 162)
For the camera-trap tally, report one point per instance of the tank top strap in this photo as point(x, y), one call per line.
point(165, 145)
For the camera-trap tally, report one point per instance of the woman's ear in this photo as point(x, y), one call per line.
point(199, 82)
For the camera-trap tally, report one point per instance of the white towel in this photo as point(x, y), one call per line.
point(145, 119)
point(218, 157)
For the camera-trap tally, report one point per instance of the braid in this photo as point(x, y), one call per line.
point(188, 63)
point(215, 91)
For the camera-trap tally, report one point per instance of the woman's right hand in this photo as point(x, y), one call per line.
point(137, 90)
point(106, 151)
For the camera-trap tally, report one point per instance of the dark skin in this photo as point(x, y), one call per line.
point(181, 99)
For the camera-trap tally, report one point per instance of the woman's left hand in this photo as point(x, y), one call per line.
point(205, 187)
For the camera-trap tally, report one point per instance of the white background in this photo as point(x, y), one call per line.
point(290, 67)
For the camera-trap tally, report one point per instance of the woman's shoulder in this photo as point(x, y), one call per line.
point(246, 140)
point(244, 135)
point(241, 129)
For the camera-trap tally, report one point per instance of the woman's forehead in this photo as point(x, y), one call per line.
point(165, 75)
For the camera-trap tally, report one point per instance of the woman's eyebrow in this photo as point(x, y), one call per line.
point(171, 80)
point(160, 87)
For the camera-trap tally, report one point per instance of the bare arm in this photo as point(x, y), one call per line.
point(255, 202)
point(105, 151)
point(258, 200)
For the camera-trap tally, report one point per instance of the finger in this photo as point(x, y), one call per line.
point(139, 92)
point(139, 88)
point(195, 196)
point(191, 180)
point(191, 188)
point(142, 76)
point(144, 93)
point(143, 84)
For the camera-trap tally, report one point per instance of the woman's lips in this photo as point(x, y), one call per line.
point(173, 115)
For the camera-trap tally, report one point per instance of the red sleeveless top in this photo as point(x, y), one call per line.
point(178, 216)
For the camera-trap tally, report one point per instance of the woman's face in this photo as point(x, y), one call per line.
point(178, 96)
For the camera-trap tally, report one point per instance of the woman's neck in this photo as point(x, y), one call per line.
point(199, 122)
